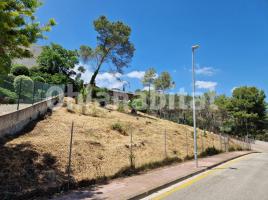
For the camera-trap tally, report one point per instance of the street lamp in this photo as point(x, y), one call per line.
point(194, 119)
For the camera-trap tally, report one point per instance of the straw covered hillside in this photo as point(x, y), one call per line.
point(101, 146)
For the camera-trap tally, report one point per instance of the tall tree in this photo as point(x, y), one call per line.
point(163, 82)
point(148, 80)
point(57, 66)
point(18, 30)
point(56, 59)
point(226, 121)
point(113, 46)
point(248, 109)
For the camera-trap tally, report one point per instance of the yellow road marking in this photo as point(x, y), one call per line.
point(197, 178)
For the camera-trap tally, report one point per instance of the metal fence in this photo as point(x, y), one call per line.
point(20, 93)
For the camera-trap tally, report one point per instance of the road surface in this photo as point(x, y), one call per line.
point(245, 178)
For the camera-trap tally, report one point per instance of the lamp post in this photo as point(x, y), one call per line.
point(194, 117)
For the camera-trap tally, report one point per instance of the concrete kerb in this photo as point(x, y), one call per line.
point(151, 191)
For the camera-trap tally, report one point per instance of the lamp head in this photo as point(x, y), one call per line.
point(195, 47)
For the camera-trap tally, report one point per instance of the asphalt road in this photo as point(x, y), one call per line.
point(245, 178)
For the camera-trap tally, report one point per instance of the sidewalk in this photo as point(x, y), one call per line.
point(138, 186)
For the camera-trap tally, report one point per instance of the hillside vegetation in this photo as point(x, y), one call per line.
point(101, 147)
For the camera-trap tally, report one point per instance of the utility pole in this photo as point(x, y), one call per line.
point(194, 115)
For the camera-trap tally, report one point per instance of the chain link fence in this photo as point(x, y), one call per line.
point(21, 92)
point(69, 149)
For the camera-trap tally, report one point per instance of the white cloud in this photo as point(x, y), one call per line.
point(146, 88)
point(206, 85)
point(208, 71)
point(136, 74)
point(108, 80)
point(232, 90)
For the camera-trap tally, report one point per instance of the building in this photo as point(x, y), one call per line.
point(29, 62)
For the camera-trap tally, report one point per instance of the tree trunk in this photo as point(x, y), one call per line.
point(93, 78)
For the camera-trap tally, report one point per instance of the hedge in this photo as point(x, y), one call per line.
point(20, 70)
point(7, 96)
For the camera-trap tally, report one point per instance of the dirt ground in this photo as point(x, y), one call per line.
point(40, 155)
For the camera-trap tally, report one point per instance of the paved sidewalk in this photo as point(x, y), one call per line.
point(137, 186)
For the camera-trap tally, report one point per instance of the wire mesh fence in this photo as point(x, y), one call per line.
point(69, 149)
point(21, 92)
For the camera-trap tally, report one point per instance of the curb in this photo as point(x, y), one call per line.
point(151, 191)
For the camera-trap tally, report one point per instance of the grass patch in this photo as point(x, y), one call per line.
point(128, 171)
point(120, 128)
point(210, 151)
point(121, 107)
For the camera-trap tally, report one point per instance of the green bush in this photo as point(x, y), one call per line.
point(59, 79)
point(210, 151)
point(262, 137)
point(121, 107)
point(24, 86)
point(18, 70)
point(99, 93)
point(38, 79)
point(7, 82)
point(119, 127)
point(7, 96)
point(138, 104)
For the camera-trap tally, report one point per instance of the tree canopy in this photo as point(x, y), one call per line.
point(57, 66)
point(163, 82)
point(149, 77)
point(248, 108)
point(56, 59)
point(19, 29)
point(113, 46)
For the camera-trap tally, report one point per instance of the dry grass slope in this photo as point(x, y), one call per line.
point(101, 147)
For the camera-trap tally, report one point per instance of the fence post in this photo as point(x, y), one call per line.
point(213, 139)
point(202, 141)
point(225, 143)
point(33, 92)
point(165, 138)
point(70, 155)
point(18, 104)
point(131, 150)
point(42, 90)
point(187, 149)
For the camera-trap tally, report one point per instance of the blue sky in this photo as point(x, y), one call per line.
point(232, 34)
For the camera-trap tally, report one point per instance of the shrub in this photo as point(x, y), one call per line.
point(100, 93)
point(121, 107)
point(38, 79)
point(119, 127)
point(7, 96)
point(18, 70)
point(262, 137)
point(24, 86)
point(210, 151)
point(138, 104)
point(231, 149)
point(7, 82)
